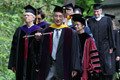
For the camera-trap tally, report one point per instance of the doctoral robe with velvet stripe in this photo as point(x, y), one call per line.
point(91, 61)
point(19, 59)
point(67, 56)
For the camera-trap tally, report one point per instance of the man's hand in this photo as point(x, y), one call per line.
point(111, 50)
point(74, 73)
point(118, 58)
point(38, 35)
point(14, 69)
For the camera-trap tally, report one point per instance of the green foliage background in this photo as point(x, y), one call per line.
point(11, 17)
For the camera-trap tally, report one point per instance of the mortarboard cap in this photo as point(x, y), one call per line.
point(111, 16)
point(97, 6)
point(67, 6)
point(78, 17)
point(78, 9)
point(30, 9)
point(58, 9)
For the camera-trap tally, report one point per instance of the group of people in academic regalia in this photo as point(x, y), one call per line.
point(70, 48)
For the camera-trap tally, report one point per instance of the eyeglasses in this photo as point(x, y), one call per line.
point(39, 18)
point(75, 24)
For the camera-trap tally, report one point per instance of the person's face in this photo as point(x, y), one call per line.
point(29, 17)
point(39, 18)
point(78, 26)
point(69, 12)
point(97, 13)
point(58, 18)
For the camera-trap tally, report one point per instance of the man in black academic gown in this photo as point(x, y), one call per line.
point(117, 42)
point(20, 58)
point(116, 34)
point(101, 28)
point(60, 58)
point(117, 51)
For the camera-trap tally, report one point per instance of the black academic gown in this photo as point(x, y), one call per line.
point(117, 44)
point(21, 62)
point(67, 56)
point(103, 35)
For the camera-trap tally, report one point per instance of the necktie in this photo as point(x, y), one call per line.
point(57, 32)
point(55, 43)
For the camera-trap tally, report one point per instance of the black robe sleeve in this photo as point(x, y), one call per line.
point(14, 49)
point(77, 57)
point(117, 45)
point(117, 42)
point(110, 33)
